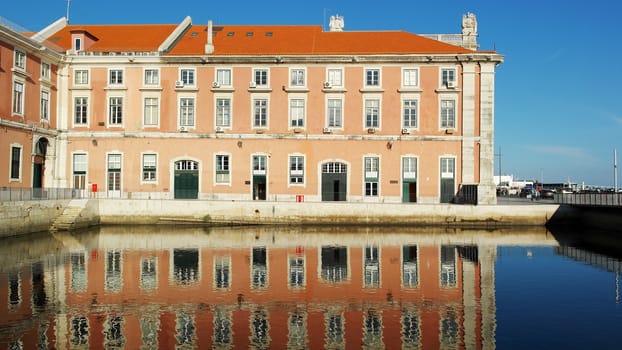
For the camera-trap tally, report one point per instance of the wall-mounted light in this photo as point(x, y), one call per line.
point(240, 143)
point(390, 144)
point(94, 142)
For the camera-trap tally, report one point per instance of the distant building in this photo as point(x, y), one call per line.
point(250, 112)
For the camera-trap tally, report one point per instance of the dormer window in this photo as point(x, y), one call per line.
point(77, 44)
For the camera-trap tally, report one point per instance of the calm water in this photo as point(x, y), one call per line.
point(278, 288)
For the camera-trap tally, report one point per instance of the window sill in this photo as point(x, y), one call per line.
point(295, 89)
point(187, 89)
point(371, 89)
point(334, 89)
point(21, 72)
point(409, 89)
point(223, 89)
point(115, 87)
point(448, 90)
point(260, 89)
point(150, 88)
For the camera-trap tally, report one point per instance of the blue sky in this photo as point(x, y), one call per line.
point(557, 116)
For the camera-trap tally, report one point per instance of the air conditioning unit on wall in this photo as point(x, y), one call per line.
point(451, 84)
point(179, 84)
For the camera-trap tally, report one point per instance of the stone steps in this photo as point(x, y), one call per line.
point(67, 220)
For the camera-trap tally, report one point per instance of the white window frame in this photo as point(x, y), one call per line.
point(219, 169)
point(255, 108)
point(408, 173)
point(296, 165)
point(371, 175)
point(448, 75)
point(188, 76)
point(45, 104)
point(442, 118)
point(219, 116)
point(117, 112)
point(329, 111)
point(19, 59)
point(149, 165)
point(116, 76)
point(81, 77)
point(259, 164)
point(411, 124)
point(18, 102)
point(408, 80)
point(151, 77)
point(258, 80)
point(46, 71)
point(335, 77)
point(77, 44)
point(185, 123)
point(370, 80)
point(74, 110)
point(220, 76)
point(20, 162)
point(78, 167)
point(297, 77)
point(447, 173)
point(368, 109)
point(297, 113)
point(149, 119)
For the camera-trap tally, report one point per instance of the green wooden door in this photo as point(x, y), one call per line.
point(186, 184)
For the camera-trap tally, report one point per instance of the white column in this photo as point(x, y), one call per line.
point(487, 189)
point(468, 123)
point(63, 121)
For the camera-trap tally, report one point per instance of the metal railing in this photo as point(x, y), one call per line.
point(13, 194)
point(590, 199)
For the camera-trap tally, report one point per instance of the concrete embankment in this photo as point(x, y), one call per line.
point(26, 217)
point(323, 213)
point(23, 217)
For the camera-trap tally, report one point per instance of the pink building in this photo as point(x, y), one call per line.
point(28, 105)
point(281, 113)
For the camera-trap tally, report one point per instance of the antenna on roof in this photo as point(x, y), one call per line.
point(68, 3)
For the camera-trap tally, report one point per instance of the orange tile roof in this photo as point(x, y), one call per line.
point(118, 38)
point(254, 40)
point(307, 40)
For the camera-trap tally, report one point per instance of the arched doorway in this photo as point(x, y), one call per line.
point(186, 184)
point(38, 166)
point(334, 181)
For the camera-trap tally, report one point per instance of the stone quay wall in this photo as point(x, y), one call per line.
point(319, 213)
point(34, 216)
point(29, 216)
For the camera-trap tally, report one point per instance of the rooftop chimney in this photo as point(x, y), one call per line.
point(209, 47)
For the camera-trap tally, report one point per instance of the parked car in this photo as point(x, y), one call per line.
point(547, 194)
point(529, 193)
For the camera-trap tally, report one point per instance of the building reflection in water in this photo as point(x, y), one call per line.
point(225, 288)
